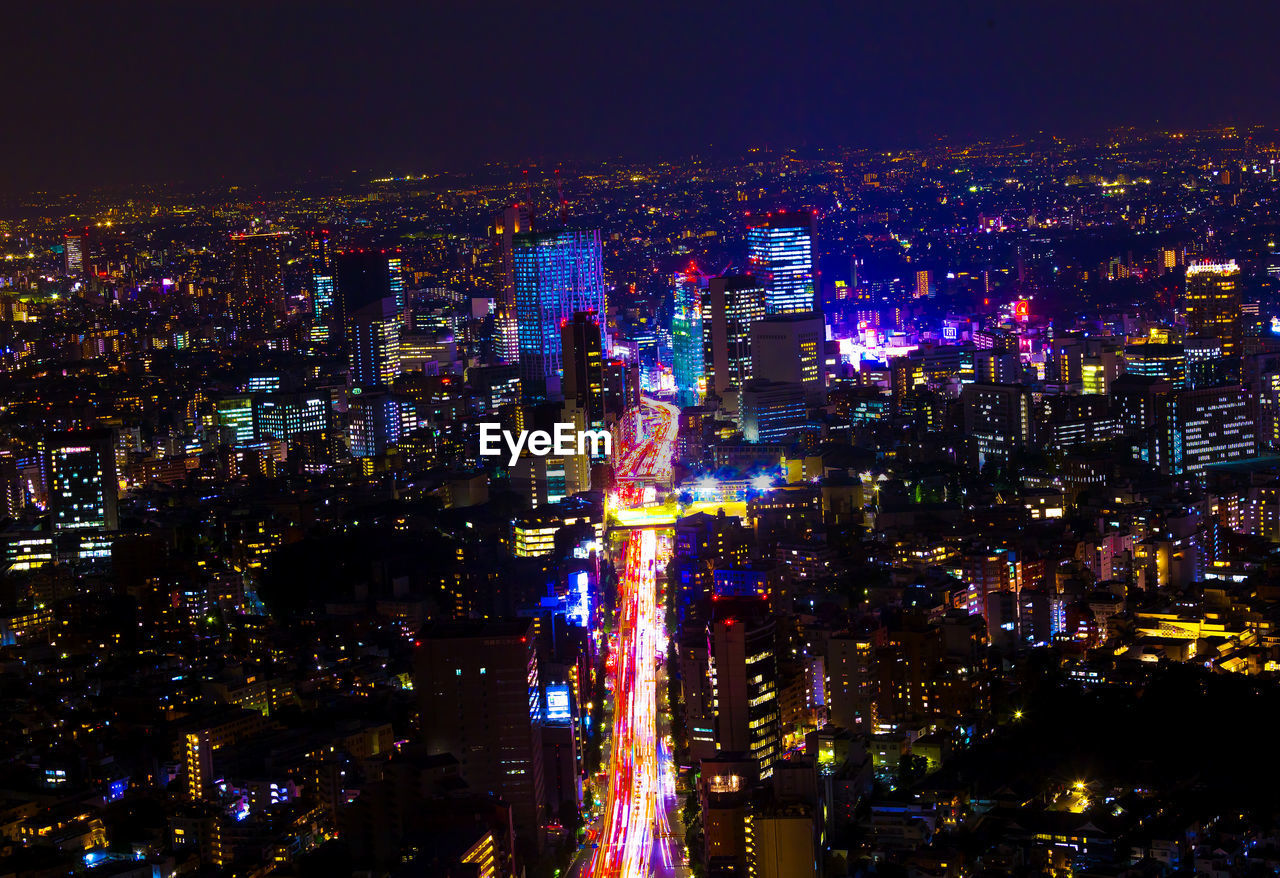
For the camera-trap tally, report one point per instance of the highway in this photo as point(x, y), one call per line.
point(635, 837)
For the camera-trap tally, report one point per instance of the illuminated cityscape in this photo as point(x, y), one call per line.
point(539, 443)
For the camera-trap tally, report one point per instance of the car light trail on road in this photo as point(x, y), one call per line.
point(635, 839)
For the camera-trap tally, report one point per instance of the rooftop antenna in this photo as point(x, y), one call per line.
point(528, 194)
point(564, 205)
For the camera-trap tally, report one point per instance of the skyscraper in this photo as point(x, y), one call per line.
point(258, 277)
point(1165, 361)
point(742, 651)
point(290, 415)
point(583, 384)
point(363, 277)
point(997, 417)
point(379, 420)
point(556, 275)
point(782, 255)
point(1210, 425)
point(731, 305)
point(479, 699)
point(789, 347)
point(1213, 303)
point(508, 223)
point(687, 341)
point(621, 389)
point(772, 411)
point(924, 284)
point(72, 255)
point(80, 474)
point(1206, 362)
point(373, 344)
point(326, 313)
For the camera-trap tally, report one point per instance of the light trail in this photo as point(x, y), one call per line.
point(635, 821)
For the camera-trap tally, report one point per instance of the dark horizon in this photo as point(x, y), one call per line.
point(151, 93)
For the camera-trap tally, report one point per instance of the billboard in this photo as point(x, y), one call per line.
point(558, 709)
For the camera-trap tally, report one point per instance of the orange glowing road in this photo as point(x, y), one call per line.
point(635, 839)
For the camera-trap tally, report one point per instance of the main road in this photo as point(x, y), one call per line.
point(635, 838)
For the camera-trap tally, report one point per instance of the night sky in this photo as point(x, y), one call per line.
point(122, 92)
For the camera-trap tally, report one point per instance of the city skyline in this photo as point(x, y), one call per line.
point(372, 508)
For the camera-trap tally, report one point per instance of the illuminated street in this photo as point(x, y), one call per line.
point(635, 838)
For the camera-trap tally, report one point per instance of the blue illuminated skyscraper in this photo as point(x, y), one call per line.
point(688, 366)
point(373, 345)
point(557, 274)
point(782, 256)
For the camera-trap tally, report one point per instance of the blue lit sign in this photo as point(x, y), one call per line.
point(579, 609)
point(558, 703)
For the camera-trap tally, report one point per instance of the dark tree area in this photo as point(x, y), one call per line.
point(1166, 737)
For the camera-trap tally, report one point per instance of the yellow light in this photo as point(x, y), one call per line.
point(1017, 714)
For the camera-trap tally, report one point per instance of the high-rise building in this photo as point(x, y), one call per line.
point(780, 840)
point(258, 291)
point(508, 223)
point(11, 500)
point(742, 653)
point(850, 680)
point(544, 480)
point(1097, 371)
point(1206, 363)
point(733, 303)
point(556, 275)
point(365, 277)
point(238, 415)
point(377, 421)
point(197, 763)
point(479, 699)
point(80, 475)
point(790, 347)
point(621, 389)
point(373, 344)
point(326, 313)
point(1167, 362)
point(924, 284)
point(1201, 427)
point(1269, 408)
point(506, 338)
point(72, 255)
point(688, 344)
point(289, 415)
point(997, 418)
point(772, 411)
point(1136, 405)
point(581, 340)
point(782, 254)
point(1213, 303)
